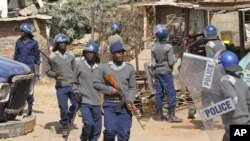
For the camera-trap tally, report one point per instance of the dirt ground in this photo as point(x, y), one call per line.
point(48, 129)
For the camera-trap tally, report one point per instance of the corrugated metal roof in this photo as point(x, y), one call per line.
point(209, 6)
point(42, 17)
point(244, 9)
point(169, 3)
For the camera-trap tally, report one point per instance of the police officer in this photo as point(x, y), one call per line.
point(162, 65)
point(232, 86)
point(214, 44)
point(86, 71)
point(27, 52)
point(115, 33)
point(61, 67)
point(117, 123)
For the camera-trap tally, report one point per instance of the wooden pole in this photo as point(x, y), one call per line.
point(100, 33)
point(242, 39)
point(186, 31)
point(136, 60)
point(145, 26)
point(92, 22)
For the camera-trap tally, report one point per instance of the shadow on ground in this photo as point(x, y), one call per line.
point(56, 126)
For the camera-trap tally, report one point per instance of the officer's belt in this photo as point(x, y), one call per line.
point(112, 98)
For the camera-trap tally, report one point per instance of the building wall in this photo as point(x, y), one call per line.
point(197, 21)
point(197, 18)
point(163, 11)
point(227, 22)
point(9, 33)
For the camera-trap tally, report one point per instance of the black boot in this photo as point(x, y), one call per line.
point(3, 118)
point(159, 115)
point(86, 132)
point(29, 109)
point(107, 137)
point(65, 130)
point(171, 116)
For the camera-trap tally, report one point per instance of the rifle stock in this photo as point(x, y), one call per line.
point(110, 79)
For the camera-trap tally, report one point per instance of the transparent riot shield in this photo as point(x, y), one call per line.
point(202, 77)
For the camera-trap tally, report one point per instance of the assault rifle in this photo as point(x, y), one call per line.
point(110, 79)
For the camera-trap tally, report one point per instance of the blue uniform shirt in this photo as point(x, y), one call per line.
point(27, 53)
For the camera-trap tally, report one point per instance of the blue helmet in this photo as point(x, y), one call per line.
point(26, 28)
point(117, 46)
point(229, 61)
point(115, 26)
point(161, 32)
point(60, 38)
point(91, 46)
point(210, 31)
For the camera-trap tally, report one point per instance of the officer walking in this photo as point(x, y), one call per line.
point(214, 44)
point(61, 67)
point(162, 65)
point(115, 35)
point(232, 86)
point(117, 123)
point(27, 52)
point(86, 71)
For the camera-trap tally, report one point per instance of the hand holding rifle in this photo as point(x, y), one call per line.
point(116, 90)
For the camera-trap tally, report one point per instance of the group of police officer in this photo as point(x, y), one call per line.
point(81, 82)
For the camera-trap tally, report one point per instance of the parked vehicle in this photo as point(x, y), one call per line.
point(15, 84)
point(245, 64)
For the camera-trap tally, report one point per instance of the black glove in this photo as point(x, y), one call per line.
point(78, 96)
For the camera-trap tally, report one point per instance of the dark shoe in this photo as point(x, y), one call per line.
point(171, 116)
point(159, 115)
point(65, 130)
point(106, 138)
point(3, 118)
point(29, 112)
point(86, 132)
point(29, 109)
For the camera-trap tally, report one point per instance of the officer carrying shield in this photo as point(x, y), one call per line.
point(27, 52)
point(86, 71)
point(62, 64)
point(214, 44)
point(162, 65)
point(232, 86)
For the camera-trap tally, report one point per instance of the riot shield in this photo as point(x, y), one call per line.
point(202, 77)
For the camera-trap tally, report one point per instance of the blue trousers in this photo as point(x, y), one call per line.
point(116, 123)
point(165, 82)
point(63, 95)
point(92, 119)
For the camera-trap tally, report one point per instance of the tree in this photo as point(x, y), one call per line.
point(73, 18)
